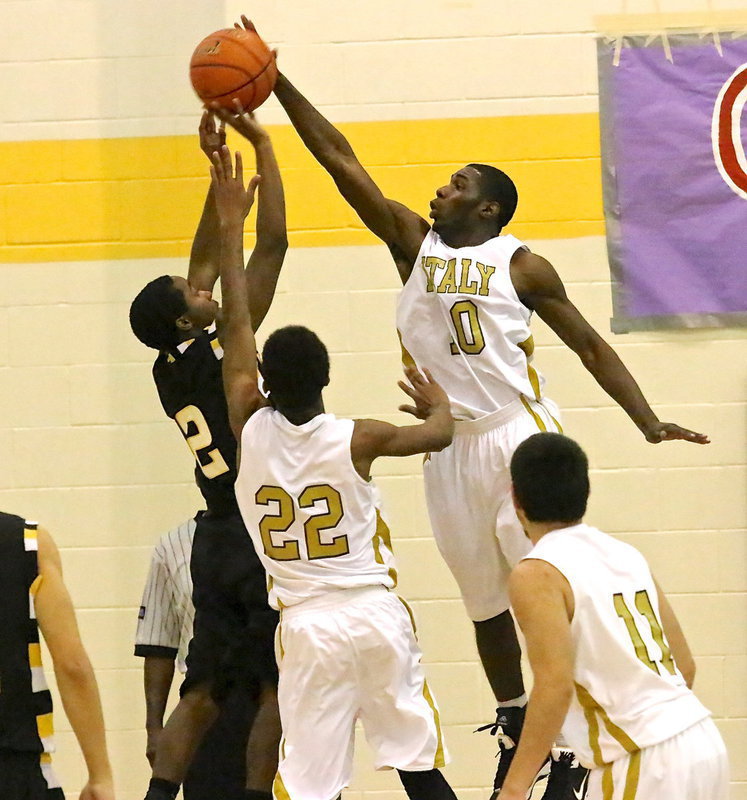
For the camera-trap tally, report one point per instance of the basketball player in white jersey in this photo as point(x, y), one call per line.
point(607, 653)
point(469, 292)
point(345, 644)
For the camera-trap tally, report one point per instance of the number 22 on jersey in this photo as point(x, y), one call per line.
point(285, 516)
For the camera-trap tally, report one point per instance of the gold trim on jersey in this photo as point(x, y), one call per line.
point(30, 538)
point(35, 586)
point(279, 792)
point(383, 535)
point(407, 360)
point(35, 656)
point(535, 416)
point(593, 712)
point(45, 726)
point(527, 347)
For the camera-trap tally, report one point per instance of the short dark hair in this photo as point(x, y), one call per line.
point(295, 366)
point(550, 473)
point(154, 312)
point(496, 185)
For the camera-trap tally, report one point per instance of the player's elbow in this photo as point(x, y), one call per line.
point(73, 666)
point(274, 244)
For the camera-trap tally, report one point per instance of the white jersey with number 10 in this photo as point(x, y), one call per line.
point(459, 316)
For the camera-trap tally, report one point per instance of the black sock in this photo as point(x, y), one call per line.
point(427, 785)
point(256, 794)
point(161, 789)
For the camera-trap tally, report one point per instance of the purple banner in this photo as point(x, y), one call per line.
point(675, 179)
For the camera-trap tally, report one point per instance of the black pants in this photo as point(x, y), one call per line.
point(218, 769)
point(21, 778)
point(234, 628)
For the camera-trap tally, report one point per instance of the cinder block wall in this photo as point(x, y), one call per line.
point(101, 187)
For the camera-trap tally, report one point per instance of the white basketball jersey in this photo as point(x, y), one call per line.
point(629, 692)
point(459, 316)
point(315, 523)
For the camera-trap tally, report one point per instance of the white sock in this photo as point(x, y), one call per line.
point(517, 702)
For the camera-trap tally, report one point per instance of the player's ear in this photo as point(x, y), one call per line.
point(183, 323)
point(490, 209)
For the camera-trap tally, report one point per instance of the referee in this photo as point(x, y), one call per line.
point(164, 630)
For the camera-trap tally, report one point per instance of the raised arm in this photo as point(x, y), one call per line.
point(203, 259)
point(539, 287)
point(75, 677)
point(240, 377)
point(373, 438)
point(542, 601)
point(266, 260)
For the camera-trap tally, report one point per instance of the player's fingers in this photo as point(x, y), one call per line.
point(410, 410)
point(408, 390)
point(239, 108)
point(248, 24)
point(252, 188)
point(239, 168)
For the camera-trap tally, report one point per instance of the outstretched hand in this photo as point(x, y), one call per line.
point(232, 199)
point(424, 391)
point(244, 122)
point(212, 136)
point(668, 431)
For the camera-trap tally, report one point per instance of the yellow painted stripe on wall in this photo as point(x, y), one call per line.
point(141, 197)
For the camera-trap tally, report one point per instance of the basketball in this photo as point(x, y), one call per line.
point(233, 63)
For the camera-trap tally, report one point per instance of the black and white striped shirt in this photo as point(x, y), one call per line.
point(166, 616)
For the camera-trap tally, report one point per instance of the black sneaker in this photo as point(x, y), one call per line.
point(507, 728)
point(568, 779)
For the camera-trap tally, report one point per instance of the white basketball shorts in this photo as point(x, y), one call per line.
point(690, 766)
point(468, 493)
point(347, 655)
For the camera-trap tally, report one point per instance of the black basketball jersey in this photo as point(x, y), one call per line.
point(25, 701)
point(190, 386)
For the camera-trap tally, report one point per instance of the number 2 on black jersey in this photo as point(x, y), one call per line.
point(201, 440)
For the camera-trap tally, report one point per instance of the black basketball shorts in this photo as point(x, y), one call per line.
point(234, 627)
point(22, 778)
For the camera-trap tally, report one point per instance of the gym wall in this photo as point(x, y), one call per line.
point(102, 183)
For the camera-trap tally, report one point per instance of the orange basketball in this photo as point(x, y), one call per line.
point(233, 63)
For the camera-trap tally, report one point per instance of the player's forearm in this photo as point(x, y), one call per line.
point(546, 711)
point(80, 698)
point(203, 259)
point(271, 226)
point(158, 675)
point(237, 336)
point(232, 281)
point(613, 376)
point(324, 141)
point(265, 263)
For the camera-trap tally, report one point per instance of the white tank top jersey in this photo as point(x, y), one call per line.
point(629, 693)
point(459, 315)
point(316, 524)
